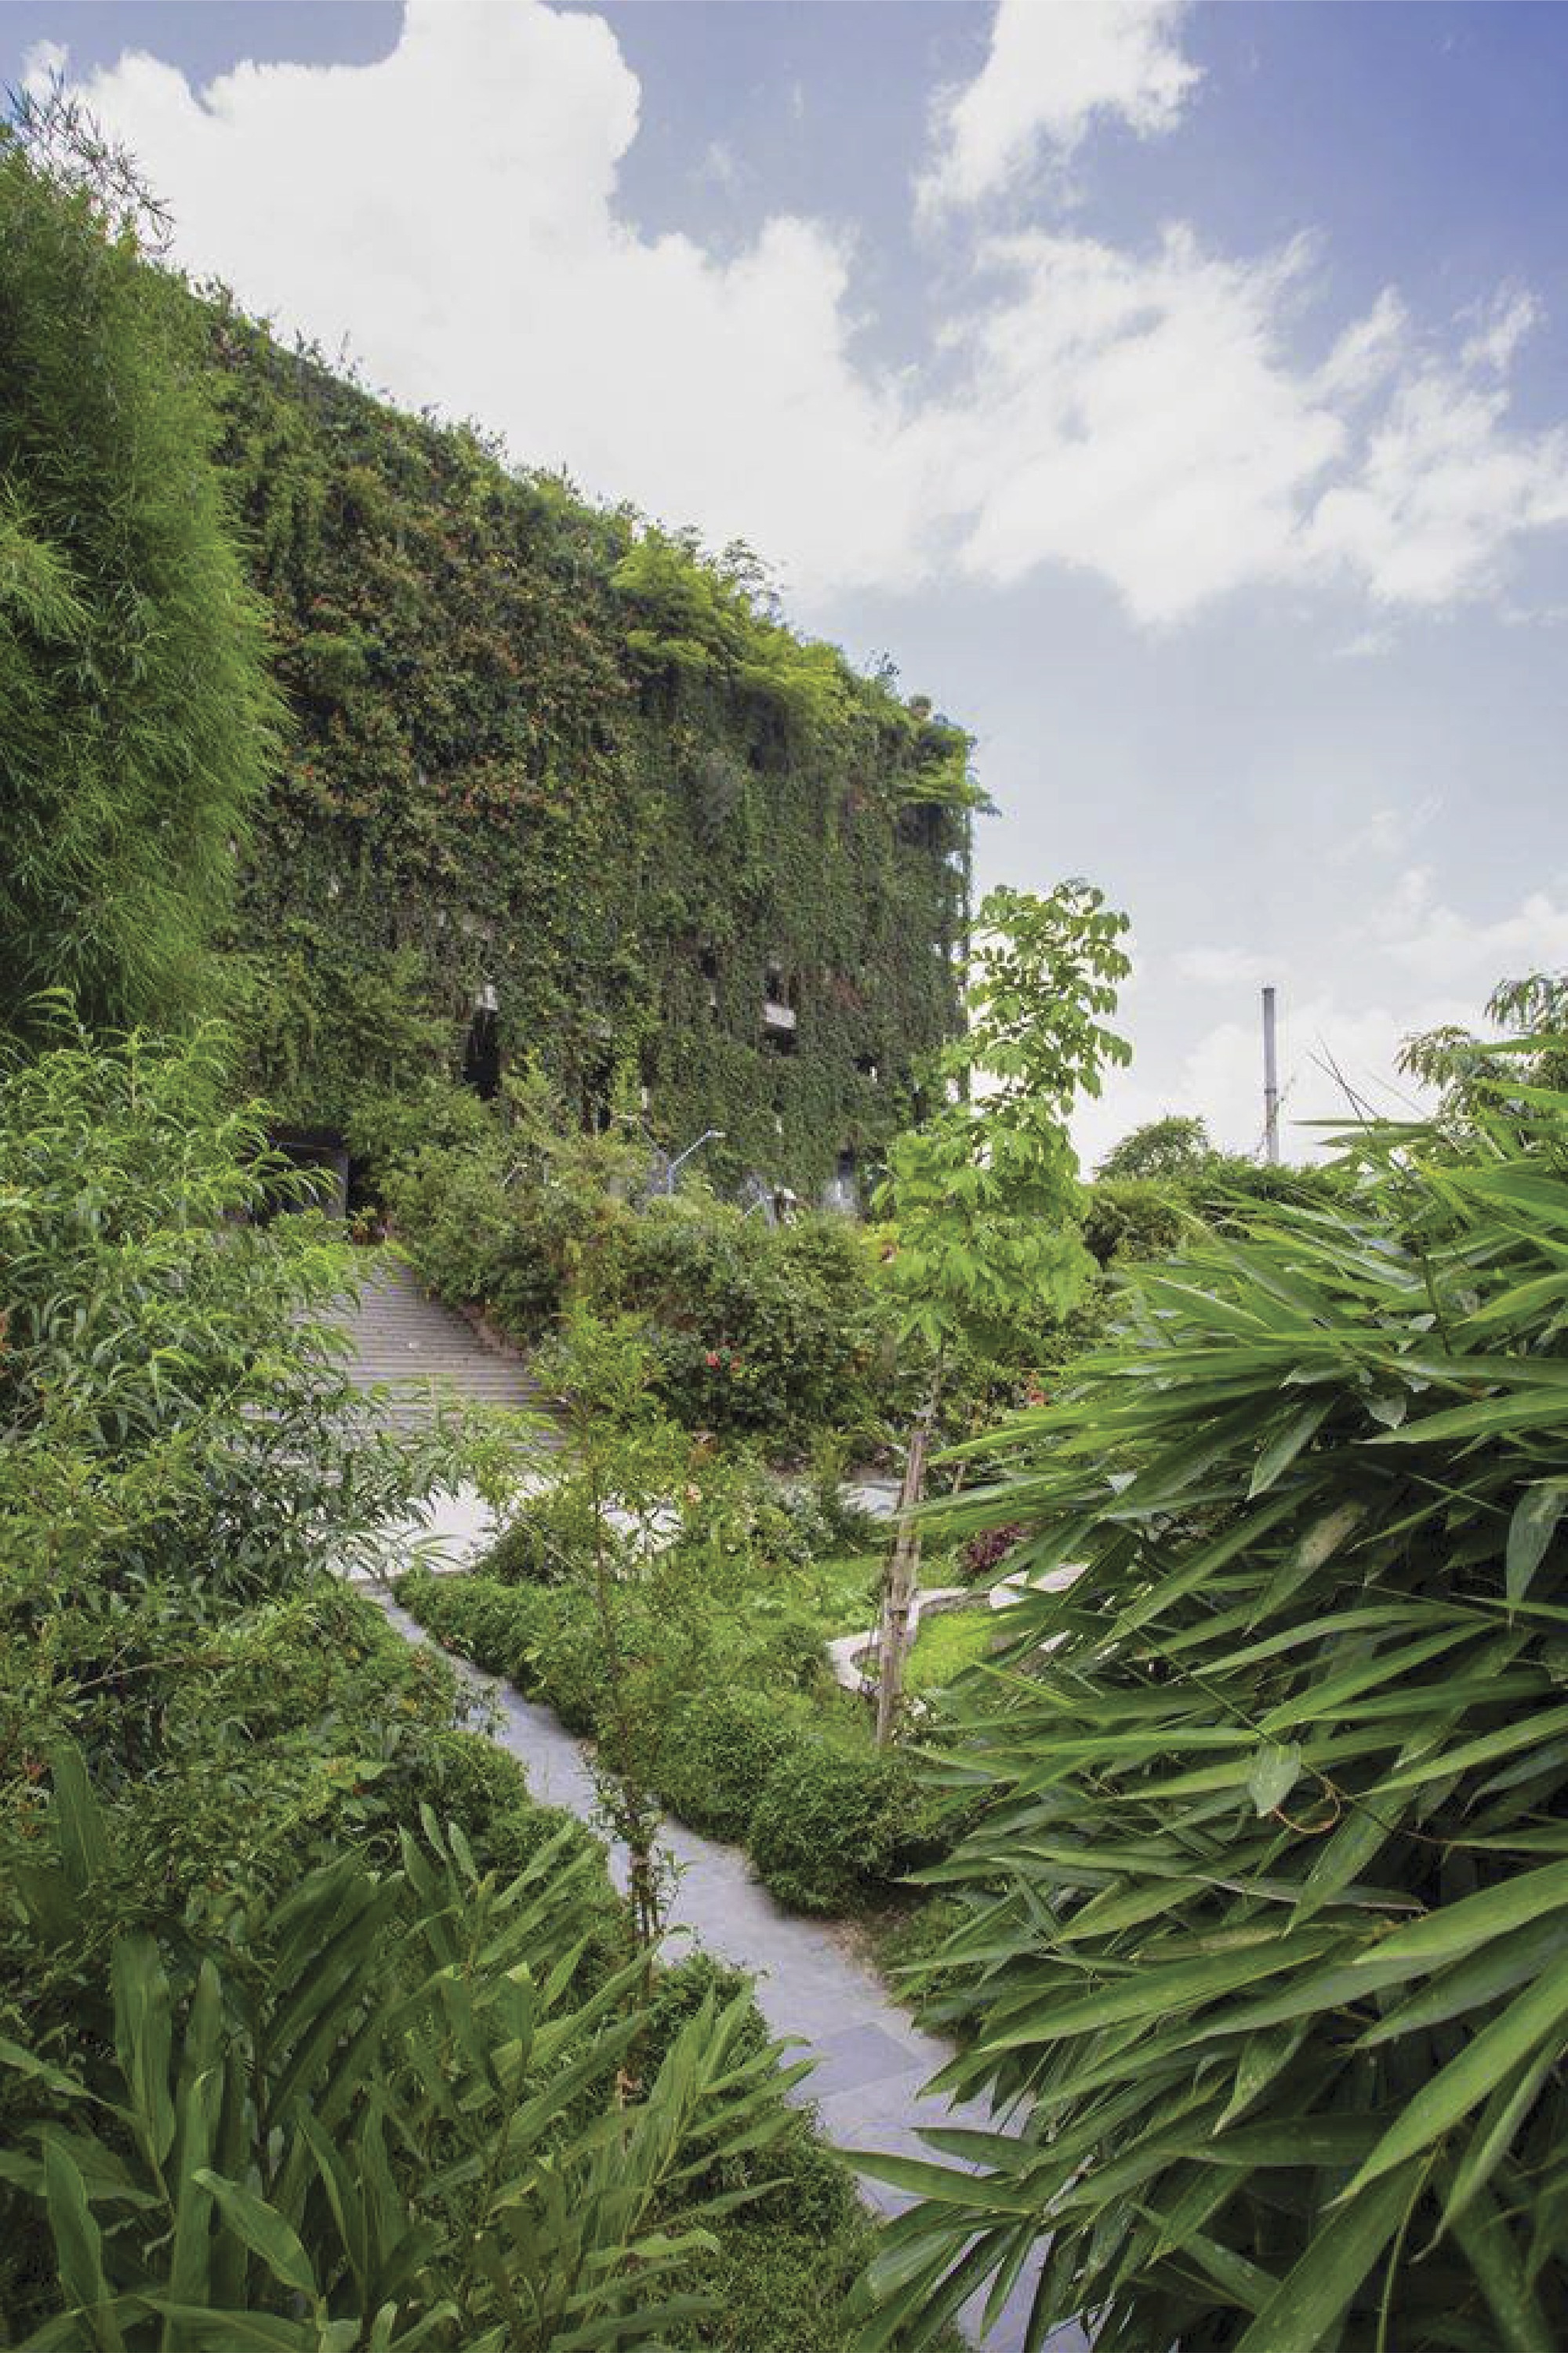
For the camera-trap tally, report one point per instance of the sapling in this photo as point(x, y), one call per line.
point(627, 1462)
point(985, 1196)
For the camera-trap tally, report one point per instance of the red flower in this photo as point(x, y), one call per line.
point(712, 1359)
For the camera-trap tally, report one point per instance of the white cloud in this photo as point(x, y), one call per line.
point(452, 209)
point(1219, 968)
point(1422, 936)
point(1323, 1043)
point(1427, 964)
point(1443, 485)
point(1056, 67)
point(1140, 416)
point(1385, 832)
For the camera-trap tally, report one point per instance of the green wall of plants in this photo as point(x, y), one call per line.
point(538, 746)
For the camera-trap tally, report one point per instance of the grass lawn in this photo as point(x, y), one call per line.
point(946, 1644)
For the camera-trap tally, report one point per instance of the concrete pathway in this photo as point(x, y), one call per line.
point(872, 2062)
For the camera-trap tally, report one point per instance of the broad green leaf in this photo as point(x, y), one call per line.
point(79, 2245)
point(1527, 2023)
point(143, 2033)
point(1444, 1934)
point(1304, 2311)
point(1275, 1773)
point(1531, 1531)
point(1287, 1441)
point(264, 2231)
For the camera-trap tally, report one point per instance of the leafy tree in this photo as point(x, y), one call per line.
point(131, 670)
point(1470, 1075)
point(984, 1197)
point(1176, 1145)
point(1268, 1899)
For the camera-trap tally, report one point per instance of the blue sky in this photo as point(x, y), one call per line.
point(1178, 393)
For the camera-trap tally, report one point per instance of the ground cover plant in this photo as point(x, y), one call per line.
point(1265, 1911)
point(948, 1641)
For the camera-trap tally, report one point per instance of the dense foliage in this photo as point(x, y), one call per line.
point(540, 747)
point(983, 1193)
point(752, 1328)
point(1266, 1906)
point(131, 671)
point(313, 2032)
point(673, 1604)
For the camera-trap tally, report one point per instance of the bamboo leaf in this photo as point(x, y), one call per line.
point(263, 2230)
point(1531, 1531)
point(1275, 1773)
point(1536, 2017)
point(1304, 2311)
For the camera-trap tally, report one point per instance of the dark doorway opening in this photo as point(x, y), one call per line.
point(481, 1053)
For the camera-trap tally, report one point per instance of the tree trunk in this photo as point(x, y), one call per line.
point(900, 1583)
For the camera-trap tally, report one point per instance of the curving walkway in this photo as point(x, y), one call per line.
point(872, 2062)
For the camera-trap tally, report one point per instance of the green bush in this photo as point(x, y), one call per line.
point(777, 1331)
point(550, 1538)
point(716, 1754)
point(834, 1825)
point(311, 2028)
point(464, 1777)
point(132, 677)
point(510, 1631)
point(829, 1822)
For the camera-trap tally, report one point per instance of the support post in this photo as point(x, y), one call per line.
point(1271, 1084)
point(899, 1593)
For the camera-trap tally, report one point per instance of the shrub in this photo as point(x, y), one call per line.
point(550, 1538)
point(833, 1825)
point(715, 1756)
point(133, 675)
point(1266, 1889)
point(464, 1777)
point(753, 1329)
point(508, 1631)
point(282, 2059)
point(784, 1651)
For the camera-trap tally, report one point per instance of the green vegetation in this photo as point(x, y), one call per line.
point(137, 712)
point(313, 2031)
point(945, 1644)
point(778, 1332)
point(540, 747)
point(1248, 1872)
point(672, 1602)
point(1264, 1905)
point(984, 1195)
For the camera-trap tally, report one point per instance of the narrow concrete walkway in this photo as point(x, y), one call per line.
point(872, 2063)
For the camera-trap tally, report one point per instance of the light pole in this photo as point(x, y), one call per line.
point(709, 1135)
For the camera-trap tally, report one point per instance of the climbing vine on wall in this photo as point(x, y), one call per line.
point(540, 747)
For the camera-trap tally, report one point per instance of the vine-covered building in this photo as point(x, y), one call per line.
point(559, 789)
